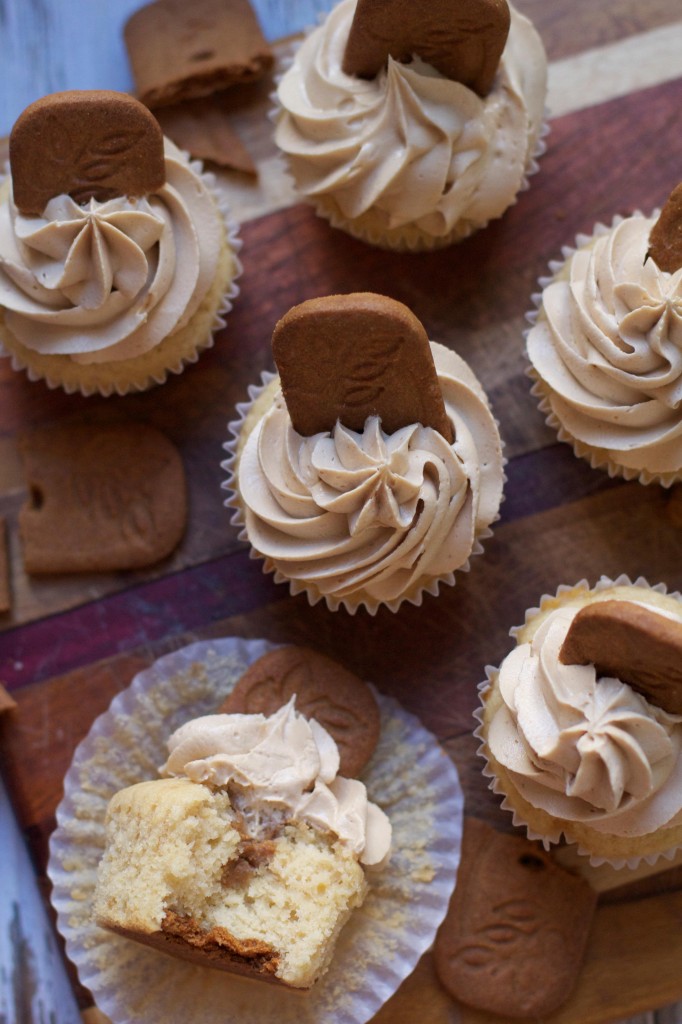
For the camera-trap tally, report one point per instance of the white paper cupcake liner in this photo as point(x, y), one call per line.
point(296, 587)
point(232, 241)
point(367, 227)
point(409, 238)
point(598, 458)
point(409, 775)
point(552, 837)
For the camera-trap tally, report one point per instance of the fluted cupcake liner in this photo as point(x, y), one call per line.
point(409, 775)
point(552, 836)
point(350, 604)
point(191, 352)
point(369, 227)
point(598, 458)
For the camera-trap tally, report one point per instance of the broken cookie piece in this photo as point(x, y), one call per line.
point(181, 51)
point(102, 497)
point(627, 641)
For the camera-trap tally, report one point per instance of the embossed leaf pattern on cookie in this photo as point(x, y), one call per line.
point(504, 935)
point(464, 41)
point(516, 928)
point(344, 358)
point(339, 718)
point(365, 380)
point(118, 498)
point(87, 145)
point(325, 690)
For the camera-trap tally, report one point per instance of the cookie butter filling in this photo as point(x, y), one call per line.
point(110, 280)
point(583, 748)
point(413, 146)
point(351, 514)
point(609, 346)
point(277, 769)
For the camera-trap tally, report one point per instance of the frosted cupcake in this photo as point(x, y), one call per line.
point(409, 128)
point(117, 261)
point(369, 470)
point(606, 348)
point(582, 723)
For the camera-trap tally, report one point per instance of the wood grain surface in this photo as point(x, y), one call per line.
point(70, 644)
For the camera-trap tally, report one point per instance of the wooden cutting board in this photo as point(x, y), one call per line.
point(70, 644)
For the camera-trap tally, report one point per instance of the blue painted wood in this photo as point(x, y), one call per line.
point(34, 987)
point(49, 45)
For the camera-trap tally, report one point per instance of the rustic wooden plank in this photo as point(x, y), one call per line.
point(33, 983)
point(472, 297)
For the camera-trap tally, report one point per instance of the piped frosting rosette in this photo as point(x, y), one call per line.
point(606, 353)
point(409, 160)
point(367, 518)
point(108, 282)
point(577, 755)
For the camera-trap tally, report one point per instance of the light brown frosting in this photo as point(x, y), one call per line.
point(283, 765)
point(110, 280)
point(369, 515)
point(608, 345)
point(583, 749)
point(411, 145)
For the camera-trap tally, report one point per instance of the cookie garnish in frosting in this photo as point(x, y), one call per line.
point(463, 40)
point(347, 358)
point(665, 239)
point(627, 641)
point(94, 144)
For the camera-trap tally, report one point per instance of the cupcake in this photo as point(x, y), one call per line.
point(409, 128)
point(249, 854)
point(116, 259)
point(582, 723)
point(370, 468)
point(605, 348)
point(213, 815)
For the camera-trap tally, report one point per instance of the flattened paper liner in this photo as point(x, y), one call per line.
point(409, 775)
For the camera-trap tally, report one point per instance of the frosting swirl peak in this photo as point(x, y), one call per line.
point(608, 347)
point(110, 280)
point(368, 516)
point(582, 748)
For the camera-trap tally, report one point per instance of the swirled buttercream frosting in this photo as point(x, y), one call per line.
point(607, 347)
point(283, 765)
point(411, 146)
point(582, 748)
point(107, 281)
point(353, 516)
